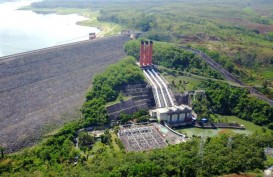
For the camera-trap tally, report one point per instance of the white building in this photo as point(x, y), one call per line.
point(175, 116)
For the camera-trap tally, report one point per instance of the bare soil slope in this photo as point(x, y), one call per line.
point(37, 87)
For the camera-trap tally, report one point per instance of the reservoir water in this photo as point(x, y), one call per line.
point(22, 30)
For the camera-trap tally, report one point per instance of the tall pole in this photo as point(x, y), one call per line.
point(150, 52)
point(146, 58)
point(141, 60)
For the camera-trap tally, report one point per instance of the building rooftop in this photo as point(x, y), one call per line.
point(173, 109)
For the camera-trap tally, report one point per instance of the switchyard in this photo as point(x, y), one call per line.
point(144, 137)
point(141, 138)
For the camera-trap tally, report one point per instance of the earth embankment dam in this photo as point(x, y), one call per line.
point(39, 89)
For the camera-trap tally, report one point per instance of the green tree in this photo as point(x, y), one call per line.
point(106, 137)
point(121, 97)
point(270, 126)
point(2, 149)
point(85, 140)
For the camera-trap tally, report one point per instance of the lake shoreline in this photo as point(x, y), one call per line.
point(106, 29)
point(38, 31)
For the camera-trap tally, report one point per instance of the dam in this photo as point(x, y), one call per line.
point(41, 88)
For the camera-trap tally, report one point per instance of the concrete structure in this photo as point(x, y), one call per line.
point(141, 60)
point(167, 110)
point(131, 33)
point(174, 116)
point(150, 53)
point(141, 98)
point(146, 52)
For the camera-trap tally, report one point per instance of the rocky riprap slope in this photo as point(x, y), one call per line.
point(43, 88)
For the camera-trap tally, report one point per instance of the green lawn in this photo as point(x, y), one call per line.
point(107, 28)
point(268, 74)
point(269, 161)
point(115, 145)
point(248, 125)
point(118, 101)
point(186, 81)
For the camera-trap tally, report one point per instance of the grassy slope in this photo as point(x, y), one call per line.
point(117, 101)
point(189, 81)
point(107, 29)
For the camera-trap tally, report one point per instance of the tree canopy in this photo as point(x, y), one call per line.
point(228, 100)
point(106, 88)
point(171, 56)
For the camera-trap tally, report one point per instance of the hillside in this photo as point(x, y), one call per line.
point(104, 155)
point(214, 55)
point(236, 34)
point(38, 87)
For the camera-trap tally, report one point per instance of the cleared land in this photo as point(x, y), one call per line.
point(38, 87)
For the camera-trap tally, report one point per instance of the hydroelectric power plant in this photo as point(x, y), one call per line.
point(156, 97)
point(167, 110)
point(43, 89)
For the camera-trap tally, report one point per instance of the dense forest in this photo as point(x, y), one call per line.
point(231, 154)
point(229, 100)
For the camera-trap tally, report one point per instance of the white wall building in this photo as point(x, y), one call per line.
point(176, 115)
